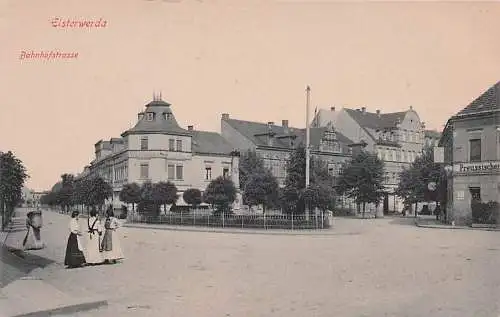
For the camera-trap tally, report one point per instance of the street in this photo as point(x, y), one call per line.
point(371, 267)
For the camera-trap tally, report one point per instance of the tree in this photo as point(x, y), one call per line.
point(131, 194)
point(414, 181)
point(147, 204)
point(12, 177)
point(165, 193)
point(220, 193)
point(250, 163)
point(261, 189)
point(99, 192)
point(362, 179)
point(66, 193)
point(294, 194)
point(192, 196)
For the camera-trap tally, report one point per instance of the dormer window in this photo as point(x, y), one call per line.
point(150, 116)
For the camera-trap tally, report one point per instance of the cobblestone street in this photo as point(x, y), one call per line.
point(379, 267)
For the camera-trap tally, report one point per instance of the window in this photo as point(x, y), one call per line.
point(145, 170)
point(179, 145)
point(171, 145)
point(331, 169)
point(208, 173)
point(144, 143)
point(150, 116)
point(171, 171)
point(394, 158)
point(475, 193)
point(475, 150)
point(178, 171)
point(225, 172)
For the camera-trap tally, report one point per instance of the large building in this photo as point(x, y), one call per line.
point(274, 143)
point(397, 137)
point(471, 141)
point(158, 149)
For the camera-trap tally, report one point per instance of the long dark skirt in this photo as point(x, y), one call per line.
point(74, 257)
point(107, 241)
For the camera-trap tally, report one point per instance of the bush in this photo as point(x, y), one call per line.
point(485, 213)
point(148, 209)
point(124, 211)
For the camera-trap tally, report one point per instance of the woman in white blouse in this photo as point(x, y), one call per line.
point(74, 249)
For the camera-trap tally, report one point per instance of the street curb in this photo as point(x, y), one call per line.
point(69, 309)
point(455, 228)
point(232, 231)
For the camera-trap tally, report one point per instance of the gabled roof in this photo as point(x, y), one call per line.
point(205, 142)
point(159, 124)
point(376, 121)
point(256, 133)
point(487, 101)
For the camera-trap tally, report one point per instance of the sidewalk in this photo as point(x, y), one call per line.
point(431, 222)
point(23, 293)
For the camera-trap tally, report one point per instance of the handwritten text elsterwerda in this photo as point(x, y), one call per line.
point(58, 22)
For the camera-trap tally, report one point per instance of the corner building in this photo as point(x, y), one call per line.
point(157, 149)
point(471, 142)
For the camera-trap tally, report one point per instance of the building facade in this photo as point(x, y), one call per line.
point(274, 143)
point(471, 142)
point(397, 138)
point(158, 149)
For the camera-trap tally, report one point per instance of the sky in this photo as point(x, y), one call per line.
point(251, 59)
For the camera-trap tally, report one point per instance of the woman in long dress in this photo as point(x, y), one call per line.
point(110, 246)
point(93, 253)
point(74, 249)
point(32, 240)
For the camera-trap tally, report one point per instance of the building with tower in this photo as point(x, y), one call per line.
point(158, 149)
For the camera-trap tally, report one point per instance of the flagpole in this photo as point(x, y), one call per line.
point(308, 94)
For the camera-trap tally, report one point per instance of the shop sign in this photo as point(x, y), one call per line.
point(479, 167)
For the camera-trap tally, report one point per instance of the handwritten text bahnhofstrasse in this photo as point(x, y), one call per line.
point(47, 55)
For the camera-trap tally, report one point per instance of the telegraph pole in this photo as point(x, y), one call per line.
point(308, 93)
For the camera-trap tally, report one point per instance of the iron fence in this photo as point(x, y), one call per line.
point(245, 221)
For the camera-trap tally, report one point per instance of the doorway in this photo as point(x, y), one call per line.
point(386, 203)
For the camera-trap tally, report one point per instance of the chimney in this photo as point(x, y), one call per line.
point(411, 107)
point(225, 116)
point(332, 108)
point(378, 112)
point(140, 115)
point(190, 128)
point(269, 124)
point(284, 123)
point(363, 109)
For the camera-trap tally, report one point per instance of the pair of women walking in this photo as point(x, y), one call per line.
point(103, 244)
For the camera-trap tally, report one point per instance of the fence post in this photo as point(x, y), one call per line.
point(265, 227)
point(208, 220)
point(194, 218)
point(223, 219)
point(322, 219)
point(292, 220)
point(242, 225)
point(316, 218)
